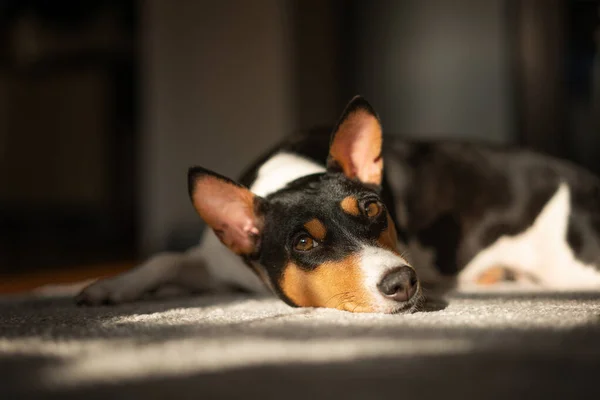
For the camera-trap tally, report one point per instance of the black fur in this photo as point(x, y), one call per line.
point(462, 197)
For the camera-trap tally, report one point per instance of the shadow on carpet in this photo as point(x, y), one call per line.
point(478, 345)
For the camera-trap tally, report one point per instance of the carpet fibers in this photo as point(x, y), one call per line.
point(477, 345)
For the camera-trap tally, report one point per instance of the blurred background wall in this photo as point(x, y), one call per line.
point(104, 104)
point(216, 89)
point(437, 67)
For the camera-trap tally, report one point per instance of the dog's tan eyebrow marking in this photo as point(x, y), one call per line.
point(316, 229)
point(350, 206)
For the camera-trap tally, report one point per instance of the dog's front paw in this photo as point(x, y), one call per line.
point(108, 291)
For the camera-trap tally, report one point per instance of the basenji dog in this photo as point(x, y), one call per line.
point(319, 222)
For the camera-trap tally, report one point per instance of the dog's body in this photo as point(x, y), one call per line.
point(464, 213)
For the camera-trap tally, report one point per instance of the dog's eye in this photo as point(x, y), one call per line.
point(304, 243)
point(372, 209)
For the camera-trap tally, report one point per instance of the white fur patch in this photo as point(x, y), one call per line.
point(282, 169)
point(375, 262)
point(541, 251)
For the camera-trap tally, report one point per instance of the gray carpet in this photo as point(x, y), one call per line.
point(507, 345)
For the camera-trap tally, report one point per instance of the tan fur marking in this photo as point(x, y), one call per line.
point(389, 238)
point(500, 274)
point(496, 275)
point(316, 229)
point(332, 285)
point(350, 206)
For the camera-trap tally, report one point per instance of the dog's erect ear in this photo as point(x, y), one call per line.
point(355, 147)
point(231, 210)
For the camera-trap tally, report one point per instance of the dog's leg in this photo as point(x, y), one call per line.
point(209, 266)
point(159, 271)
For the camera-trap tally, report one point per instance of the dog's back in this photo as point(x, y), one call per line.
point(482, 213)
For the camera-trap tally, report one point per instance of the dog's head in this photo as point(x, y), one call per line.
point(326, 239)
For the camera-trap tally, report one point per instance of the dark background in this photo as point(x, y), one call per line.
point(104, 104)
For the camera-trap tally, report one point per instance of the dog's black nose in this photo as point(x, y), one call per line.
point(399, 284)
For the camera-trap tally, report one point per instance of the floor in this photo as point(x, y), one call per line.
point(23, 282)
point(471, 345)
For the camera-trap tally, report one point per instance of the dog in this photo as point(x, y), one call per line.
point(319, 222)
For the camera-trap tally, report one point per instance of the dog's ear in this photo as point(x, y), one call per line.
point(355, 147)
point(231, 210)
